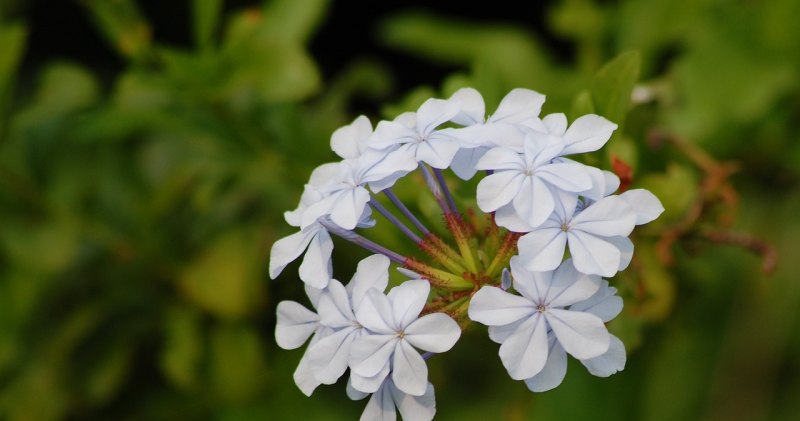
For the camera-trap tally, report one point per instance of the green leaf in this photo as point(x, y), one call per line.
point(225, 279)
point(613, 84)
point(582, 105)
point(183, 348)
point(237, 367)
point(206, 14)
point(122, 25)
point(293, 20)
point(13, 38)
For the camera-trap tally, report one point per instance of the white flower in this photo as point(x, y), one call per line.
point(382, 404)
point(596, 236)
point(395, 329)
point(645, 204)
point(329, 355)
point(525, 181)
point(350, 141)
point(603, 304)
point(295, 325)
point(587, 133)
point(501, 129)
point(524, 321)
point(417, 134)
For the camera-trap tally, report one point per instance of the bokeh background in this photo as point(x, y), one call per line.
point(149, 148)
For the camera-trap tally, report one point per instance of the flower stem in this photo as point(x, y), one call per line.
point(434, 187)
point(406, 212)
point(437, 277)
point(461, 235)
point(503, 254)
point(443, 184)
point(393, 219)
point(361, 241)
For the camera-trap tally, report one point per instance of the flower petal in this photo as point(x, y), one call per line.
point(438, 150)
point(348, 208)
point(304, 377)
point(472, 109)
point(534, 202)
point(380, 406)
point(433, 113)
point(610, 362)
point(507, 217)
point(494, 307)
point(370, 384)
point(608, 217)
point(334, 307)
point(465, 161)
point(316, 269)
point(370, 353)
point(566, 176)
point(501, 158)
point(287, 249)
point(435, 332)
point(330, 355)
point(414, 408)
point(407, 300)
point(498, 189)
point(555, 368)
point(346, 140)
point(524, 353)
point(409, 372)
point(587, 133)
point(645, 205)
point(568, 286)
point(542, 249)
point(295, 325)
point(592, 255)
point(371, 273)
point(555, 123)
point(374, 312)
point(391, 133)
point(603, 304)
point(583, 335)
point(499, 334)
point(519, 105)
point(625, 247)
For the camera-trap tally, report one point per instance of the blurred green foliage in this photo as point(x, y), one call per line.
point(137, 213)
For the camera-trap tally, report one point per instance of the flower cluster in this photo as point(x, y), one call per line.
point(531, 270)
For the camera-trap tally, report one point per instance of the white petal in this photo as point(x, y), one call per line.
point(566, 176)
point(334, 307)
point(543, 249)
point(375, 313)
point(295, 325)
point(553, 372)
point(592, 255)
point(380, 406)
point(555, 123)
point(496, 159)
point(645, 205)
point(286, 250)
point(370, 384)
point(525, 351)
point(588, 133)
point(625, 247)
point(507, 217)
point(570, 286)
point(608, 217)
point(519, 105)
point(583, 335)
point(498, 189)
point(603, 304)
point(494, 307)
point(499, 334)
point(304, 377)
point(348, 209)
point(390, 133)
point(409, 372)
point(353, 393)
point(369, 353)
point(471, 106)
point(345, 140)
point(534, 202)
point(437, 151)
point(435, 332)
point(324, 174)
point(433, 113)
point(377, 166)
point(414, 408)
point(610, 362)
point(372, 272)
point(316, 269)
point(465, 161)
point(532, 285)
point(407, 300)
point(330, 355)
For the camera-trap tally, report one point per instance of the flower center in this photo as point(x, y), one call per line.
point(401, 334)
point(564, 227)
point(541, 308)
